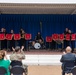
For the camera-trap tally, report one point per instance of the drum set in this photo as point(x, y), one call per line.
point(34, 45)
point(37, 46)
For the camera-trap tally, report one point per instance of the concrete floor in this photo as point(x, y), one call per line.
point(44, 70)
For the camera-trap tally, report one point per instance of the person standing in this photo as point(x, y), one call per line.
point(22, 40)
point(3, 42)
point(12, 42)
point(71, 42)
point(66, 42)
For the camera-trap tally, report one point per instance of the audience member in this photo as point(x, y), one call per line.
point(68, 56)
point(4, 61)
point(17, 56)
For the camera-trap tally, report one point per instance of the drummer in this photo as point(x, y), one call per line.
point(39, 39)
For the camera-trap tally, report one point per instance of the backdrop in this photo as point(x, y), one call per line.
point(33, 23)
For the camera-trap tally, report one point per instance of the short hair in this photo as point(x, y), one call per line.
point(2, 54)
point(17, 48)
point(68, 49)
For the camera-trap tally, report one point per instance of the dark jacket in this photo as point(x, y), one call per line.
point(68, 57)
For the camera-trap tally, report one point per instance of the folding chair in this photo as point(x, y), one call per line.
point(3, 71)
point(15, 62)
point(17, 70)
point(73, 71)
point(67, 67)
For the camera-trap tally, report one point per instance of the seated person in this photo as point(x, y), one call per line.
point(4, 63)
point(68, 56)
point(39, 38)
point(38, 41)
point(17, 56)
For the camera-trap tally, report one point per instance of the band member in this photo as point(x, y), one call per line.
point(3, 42)
point(22, 40)
point(66, 43)
point(71, 43)
point(39, 38)
point(12, 42)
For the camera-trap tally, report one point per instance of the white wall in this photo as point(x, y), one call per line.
point(40, 1)
point(41, 60)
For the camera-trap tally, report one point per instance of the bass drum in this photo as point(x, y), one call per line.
point(37, 46)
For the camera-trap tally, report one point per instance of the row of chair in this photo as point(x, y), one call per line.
point(16, 70)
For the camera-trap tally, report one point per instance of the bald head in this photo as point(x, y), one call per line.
point(68, 49)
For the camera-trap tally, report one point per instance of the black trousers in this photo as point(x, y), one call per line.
point(12, 44)
point(23, 42)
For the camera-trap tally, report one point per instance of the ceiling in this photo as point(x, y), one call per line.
point(10, 8)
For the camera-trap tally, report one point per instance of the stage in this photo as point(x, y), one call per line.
point(41, 57)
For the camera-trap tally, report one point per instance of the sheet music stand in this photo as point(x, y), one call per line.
point(8, 37)
point(73, 37)
point(49, 40)
point(2, 37)
point(55, 37)
point(16, 38)
point(28, 37)
point(67, 37)
point(61, 38)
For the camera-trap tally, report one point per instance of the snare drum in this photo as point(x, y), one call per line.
point(37, 46)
